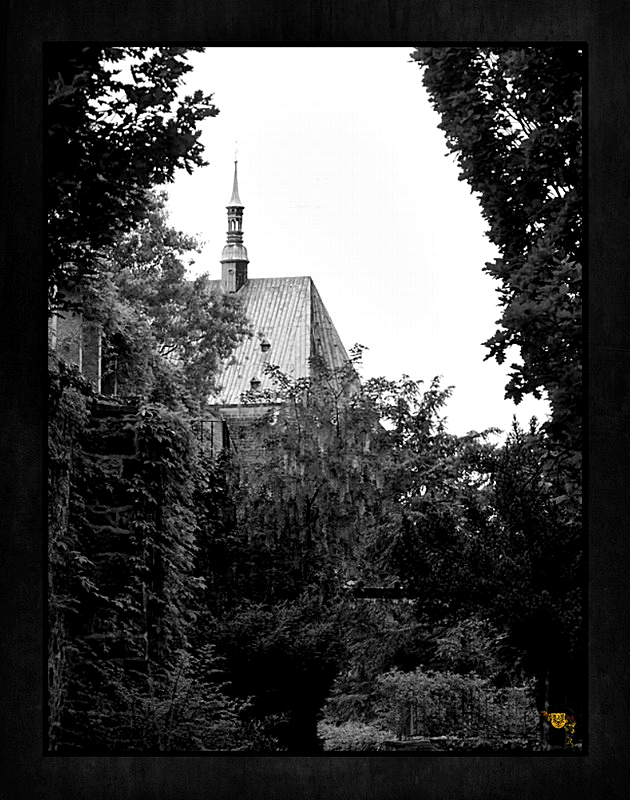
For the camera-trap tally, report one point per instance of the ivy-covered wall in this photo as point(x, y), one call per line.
point(68, 410)
point(123, 483)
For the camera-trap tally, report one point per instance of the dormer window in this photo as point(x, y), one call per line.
point(255, 383)
point(265, 345)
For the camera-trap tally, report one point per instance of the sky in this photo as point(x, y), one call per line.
point(346, 177)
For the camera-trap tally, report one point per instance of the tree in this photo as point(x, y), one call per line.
point(487, 533)
point(110, 138)
point(339, 489)
point(513, 118)
point(306, 488)
point(436, 485)
point(538, 569)
point(303, 492)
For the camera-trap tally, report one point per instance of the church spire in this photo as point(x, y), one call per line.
point(236, 200)
point(234, 259)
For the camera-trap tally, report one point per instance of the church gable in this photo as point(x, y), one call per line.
point(280, 315)
point(290, 326)
point(289, 321)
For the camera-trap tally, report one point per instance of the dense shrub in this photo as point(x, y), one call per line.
point(431, 703)
point(352, 736)
point(184, 708)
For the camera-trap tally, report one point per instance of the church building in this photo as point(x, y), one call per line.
point(292, 329)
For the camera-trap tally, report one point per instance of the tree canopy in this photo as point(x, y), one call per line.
point(513, 117)
point(116, 126)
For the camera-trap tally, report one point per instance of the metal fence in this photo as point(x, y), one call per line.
point(470, 712)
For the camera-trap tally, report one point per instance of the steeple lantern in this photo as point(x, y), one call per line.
point(234, 259)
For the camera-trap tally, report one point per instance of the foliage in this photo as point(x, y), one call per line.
point(486, 539)
point(439, 504)
point(501, 545)
point(308, 489)
point(317, 480)
point(275, 562)
point(116, 126)
point(446, 703)
point(539, 570)
point(467, 709)
point(471, 645)
point(379, 635)
point(283, 658)
point(370, 489)
point(258, 554)
point(123, 603)
point(513, 116)
point(352, 736)
point(162, 490)
point(163, 335)
point(134, 585)
point(69, 394)
point(182, 708)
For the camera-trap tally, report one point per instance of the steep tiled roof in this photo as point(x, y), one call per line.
point(289, 314)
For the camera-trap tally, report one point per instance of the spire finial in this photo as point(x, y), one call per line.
point(236, 200)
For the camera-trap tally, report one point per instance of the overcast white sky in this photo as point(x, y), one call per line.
point(345, 177)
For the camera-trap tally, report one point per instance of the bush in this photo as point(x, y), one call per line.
point(443, 703)
point(180, 709)
point(352, 736)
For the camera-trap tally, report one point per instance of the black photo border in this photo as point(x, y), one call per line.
point(25, 772)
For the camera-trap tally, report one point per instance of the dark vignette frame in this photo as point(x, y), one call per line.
point(24, 771)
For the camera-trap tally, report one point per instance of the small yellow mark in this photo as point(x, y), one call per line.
point(559, 720)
